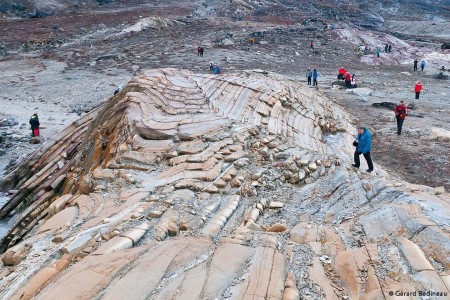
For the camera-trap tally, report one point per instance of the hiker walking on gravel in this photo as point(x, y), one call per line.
point(378, 52)
point(211, 65)
point(348, 80)
point(315, 76)
point(198, 51)
point(201, 51)
point(386, 47)
point(401, 111)
point(422, 65)
point(252, 41)
point(415, 64)
point(309, 76)
point(389, 48)
point(363, 144)
point(34, 122)
point(366, 49)
point(418, 88)
point(311, 45)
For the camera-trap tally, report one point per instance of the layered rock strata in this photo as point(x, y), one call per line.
point(188, 186)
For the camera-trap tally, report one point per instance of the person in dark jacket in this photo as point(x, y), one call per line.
point(34, 122)
point(400, 114)
point(363, 144)
point(309, 76)
point(315, 75)
point(415, 64)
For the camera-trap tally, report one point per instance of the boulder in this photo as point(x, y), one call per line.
point(362, 92)
point(277, 228)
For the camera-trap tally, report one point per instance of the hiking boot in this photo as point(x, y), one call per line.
point(369, 170)
point(354, 165)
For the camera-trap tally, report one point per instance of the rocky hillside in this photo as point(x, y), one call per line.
point(45, 8)
point(363, 13)
point(237, 186)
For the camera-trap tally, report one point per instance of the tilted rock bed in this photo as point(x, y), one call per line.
point(232, 186)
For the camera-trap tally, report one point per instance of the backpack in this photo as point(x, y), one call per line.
point(401, 110)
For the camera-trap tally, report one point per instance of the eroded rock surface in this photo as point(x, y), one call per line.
point(188, 186)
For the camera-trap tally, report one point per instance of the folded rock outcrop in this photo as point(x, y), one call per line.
point(191, 186)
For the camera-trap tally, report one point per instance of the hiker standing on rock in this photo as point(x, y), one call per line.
point(363, 144)
point(389, 48)
point(378, 52)
point(401, 111)
point(418, 88)
point(309, 76)
point(315, 76)
point(386, 48)
point(311, 45)
point(211, 65)
point(34, 122)
point(415, 64)
point(117, 90)
point(201, 51)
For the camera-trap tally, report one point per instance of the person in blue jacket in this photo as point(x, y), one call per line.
point(315, 75)
point(363, 144)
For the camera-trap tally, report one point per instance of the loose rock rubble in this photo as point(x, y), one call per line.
point(237, 183)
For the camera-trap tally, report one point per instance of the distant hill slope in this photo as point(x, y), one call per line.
point(369, 14)
point(44, 8)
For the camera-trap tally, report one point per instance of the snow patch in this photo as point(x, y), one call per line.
point(150, 22)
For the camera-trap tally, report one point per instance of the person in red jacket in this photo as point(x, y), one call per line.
point(348, 80)
point(341, 73)
point(401, 111)
point(418, 88)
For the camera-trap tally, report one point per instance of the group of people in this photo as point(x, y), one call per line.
point(368, 50)
point(363, 141)
point(200, 51)
point(422, 64)
point(350, 80)
point(312, 74)
point(387, 48)
point(364, 138)
point(213, 68)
